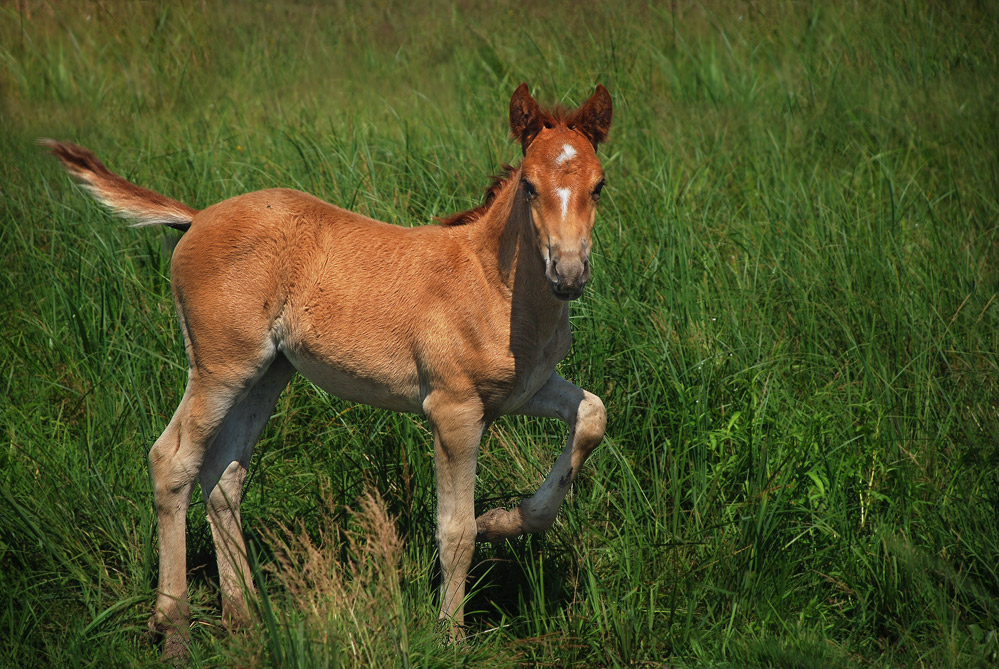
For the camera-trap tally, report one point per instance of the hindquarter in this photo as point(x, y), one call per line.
point(228, 299)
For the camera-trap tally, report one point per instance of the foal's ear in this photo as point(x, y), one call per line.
point(525, 116)
point(593, 119)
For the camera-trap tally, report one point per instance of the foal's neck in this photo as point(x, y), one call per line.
point(507, 242)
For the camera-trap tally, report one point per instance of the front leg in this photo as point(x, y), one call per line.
point(584, 413)
point(458, 425)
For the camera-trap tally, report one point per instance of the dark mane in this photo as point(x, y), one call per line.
point(560, 117)
point(557, 115)
point(499, 181)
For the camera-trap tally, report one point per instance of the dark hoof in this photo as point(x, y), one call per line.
point(175, 650)
point(175, 643)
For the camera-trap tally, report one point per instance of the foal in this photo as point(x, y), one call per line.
point(462, 322)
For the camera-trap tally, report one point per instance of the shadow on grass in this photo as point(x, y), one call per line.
point(520, 584)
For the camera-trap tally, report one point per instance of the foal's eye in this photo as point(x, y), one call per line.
point(596, 191)
point(529, 190)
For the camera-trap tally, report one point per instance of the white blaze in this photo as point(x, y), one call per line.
point(563, 194)
point(567, 154)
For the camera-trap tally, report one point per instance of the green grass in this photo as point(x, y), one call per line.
point(793, 322)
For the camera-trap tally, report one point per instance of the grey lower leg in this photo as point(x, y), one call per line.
point(225, 469)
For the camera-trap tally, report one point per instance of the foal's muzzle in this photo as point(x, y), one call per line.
point(567, 275)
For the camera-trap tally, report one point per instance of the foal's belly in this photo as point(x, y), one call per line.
point(395, 394)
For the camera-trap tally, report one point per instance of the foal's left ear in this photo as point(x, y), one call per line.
point(593, 119)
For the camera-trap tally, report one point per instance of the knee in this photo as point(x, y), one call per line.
point(163, 453)
point(591, 420)
point(173, 481)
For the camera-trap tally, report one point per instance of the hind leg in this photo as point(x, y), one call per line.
point(175, 461)
point(222, 475)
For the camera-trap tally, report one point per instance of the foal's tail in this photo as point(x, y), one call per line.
point(142, 205)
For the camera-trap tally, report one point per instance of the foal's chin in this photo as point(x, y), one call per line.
point(566, 294)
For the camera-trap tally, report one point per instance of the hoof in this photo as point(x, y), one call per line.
point(499, 525)
point(175, 642)
point(236, 620)
point(175, 649)
point(450, 632)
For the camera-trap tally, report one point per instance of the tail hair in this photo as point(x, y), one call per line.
point(143, 206)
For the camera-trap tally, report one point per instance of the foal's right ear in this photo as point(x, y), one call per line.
point(593, 119)
point(525, 117)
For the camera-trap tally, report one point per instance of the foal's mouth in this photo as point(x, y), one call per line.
point(567, 276)
point(566, 293)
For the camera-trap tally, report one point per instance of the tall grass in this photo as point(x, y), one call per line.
point(793, 324)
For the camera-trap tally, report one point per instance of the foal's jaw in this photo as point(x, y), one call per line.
point(566, 263)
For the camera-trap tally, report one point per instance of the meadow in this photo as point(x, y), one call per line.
point(793, 322)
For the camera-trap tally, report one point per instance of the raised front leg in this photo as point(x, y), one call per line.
point(584, 413)
point(458, 426)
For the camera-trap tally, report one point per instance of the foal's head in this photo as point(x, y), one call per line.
point(561, 178)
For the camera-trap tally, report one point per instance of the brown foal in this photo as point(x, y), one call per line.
point(462, 322)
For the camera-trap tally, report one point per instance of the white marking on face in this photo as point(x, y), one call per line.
point(567, 154)
point(563, 195)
